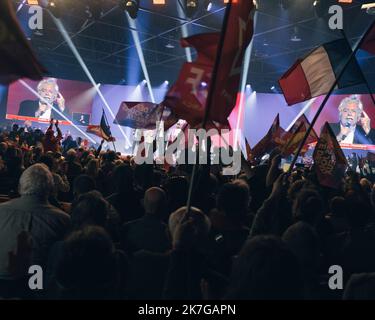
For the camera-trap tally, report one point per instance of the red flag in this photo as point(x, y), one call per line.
point(271, 140)
point(295, 135)
point(187, 97)
point(17, 60)
point(329, 160)
point(237, 36)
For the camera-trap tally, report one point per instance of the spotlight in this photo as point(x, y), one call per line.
point(248, 87)
point(273, 88)
point(208, 5)
point(131, 6)
point(191, 3)
point(166, 82)
point(54, 6)
point(191, 7)
point(204, 84)
point(144, 81)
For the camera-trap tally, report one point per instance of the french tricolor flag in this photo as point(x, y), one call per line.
point(315, 74)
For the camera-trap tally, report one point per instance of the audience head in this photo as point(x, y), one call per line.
point(87, 268)
point(92, 167)
point(155, 202)
point(337, 207)
point(71, 155)
point(189, 231)
point(233, 200)
point(37, 181)
point(123, 179)
point(90, 209)
point(82, 184)
point(47, 160)
point(177, 188)
point(308, 207)
point(265, 269)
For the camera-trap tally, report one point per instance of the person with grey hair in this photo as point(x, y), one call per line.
point(31, 215)
point(51, 103)
point(355, 125)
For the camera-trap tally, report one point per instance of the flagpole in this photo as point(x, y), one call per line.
point(364, 78)
point(107, 123)
point(326, 98)
point(209, 98)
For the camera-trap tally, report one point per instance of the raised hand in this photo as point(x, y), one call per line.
point(60, 102)
point(365, 122)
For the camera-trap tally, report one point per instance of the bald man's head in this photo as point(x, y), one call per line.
point(155, 201)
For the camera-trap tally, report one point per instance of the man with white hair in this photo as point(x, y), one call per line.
point(355, 125)
point(50, 101)
point(31, 214)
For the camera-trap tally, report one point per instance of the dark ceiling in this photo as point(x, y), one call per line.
point(107, 46)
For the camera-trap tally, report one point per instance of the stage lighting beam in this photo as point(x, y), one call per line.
point(245, 73)
point(73, 48)
point(303, 110)
point(142, 60)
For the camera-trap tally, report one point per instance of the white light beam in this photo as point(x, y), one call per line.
point(138, 46)
point(72, 47)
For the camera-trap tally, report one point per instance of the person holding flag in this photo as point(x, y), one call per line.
point(103, 130)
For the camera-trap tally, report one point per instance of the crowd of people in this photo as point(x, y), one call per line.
point(102, 227)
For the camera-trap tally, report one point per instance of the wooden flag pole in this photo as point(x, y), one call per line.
point(209, 98)
point(327, 97)
point(107, 123)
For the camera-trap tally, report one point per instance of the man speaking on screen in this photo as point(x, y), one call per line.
point(354, 126)
point(48, 90)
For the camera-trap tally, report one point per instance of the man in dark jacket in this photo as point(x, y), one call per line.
point(355, 125)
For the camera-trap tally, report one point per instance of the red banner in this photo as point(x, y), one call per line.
point(295, 135)
point(271, 140)
point(237, 37)
point(187, 97)
point(329, 160)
